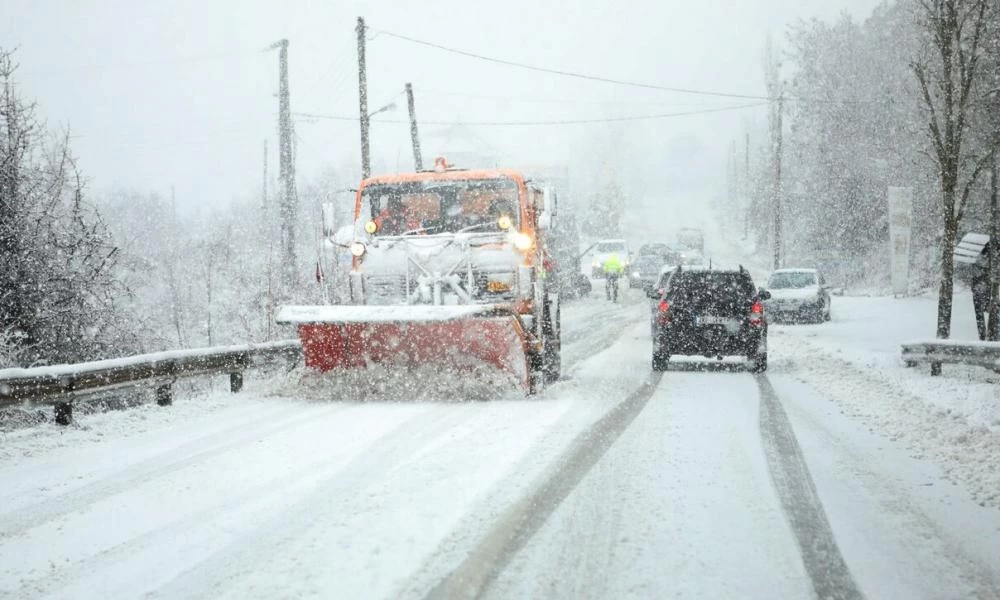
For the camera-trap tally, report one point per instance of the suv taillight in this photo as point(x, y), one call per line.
point(663, 311)
point(757, 314)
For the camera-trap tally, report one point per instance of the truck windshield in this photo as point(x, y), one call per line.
point(441, 206)
point(608, 247)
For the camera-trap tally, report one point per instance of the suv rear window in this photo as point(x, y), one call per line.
point(721, 292)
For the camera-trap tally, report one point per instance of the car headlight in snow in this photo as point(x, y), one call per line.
point(357, 249)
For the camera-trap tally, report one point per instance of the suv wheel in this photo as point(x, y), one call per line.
point(758, 362)
point(661, 358)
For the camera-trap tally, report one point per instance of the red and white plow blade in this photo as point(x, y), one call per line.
point(456, 339)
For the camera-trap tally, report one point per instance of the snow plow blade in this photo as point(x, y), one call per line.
point(467, 340)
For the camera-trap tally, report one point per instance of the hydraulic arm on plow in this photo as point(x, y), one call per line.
point(449, 271)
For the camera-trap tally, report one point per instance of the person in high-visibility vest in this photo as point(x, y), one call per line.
point(613, 269)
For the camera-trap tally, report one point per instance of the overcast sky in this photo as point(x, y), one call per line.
point(180, 92)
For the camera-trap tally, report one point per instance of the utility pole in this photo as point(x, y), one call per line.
point(286, 172)
point(733, 167)
point(263, 196)
point(173, 204)
point(418, 161)
point(366, 167)
point(747, 188)
point(993, 255)
point(777, 183)
point(263, 189)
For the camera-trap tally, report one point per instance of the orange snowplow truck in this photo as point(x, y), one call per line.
point(449, 270)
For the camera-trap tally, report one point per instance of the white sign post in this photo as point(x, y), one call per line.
point(900, 217)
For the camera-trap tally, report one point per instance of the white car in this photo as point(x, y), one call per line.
point(798, 295)
point(605, 248)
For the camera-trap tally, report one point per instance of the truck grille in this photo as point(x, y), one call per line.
point(385, 289)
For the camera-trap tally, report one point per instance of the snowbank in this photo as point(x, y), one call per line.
point(953, 419)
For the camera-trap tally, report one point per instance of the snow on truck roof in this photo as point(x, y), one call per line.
point(450, 175)
point(794, 271)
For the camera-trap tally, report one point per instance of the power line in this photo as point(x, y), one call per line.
point(649, 86)
point(563, 73)
point(540, 100)
point(540, 123)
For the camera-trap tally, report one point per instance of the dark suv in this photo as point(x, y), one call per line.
point(709, 312)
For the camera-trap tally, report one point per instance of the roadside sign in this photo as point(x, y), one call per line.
point(900, 203)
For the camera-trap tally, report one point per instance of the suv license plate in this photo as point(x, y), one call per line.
point(714, 320)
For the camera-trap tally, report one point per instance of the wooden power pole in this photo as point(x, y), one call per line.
point(747, 188)
point(263, 189)
point(418, 161)
point(366, 167)
point(777, 183)
point(993, 256)
point(286, 172)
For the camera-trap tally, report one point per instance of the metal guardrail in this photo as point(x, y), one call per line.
point(938, 352)
point(61, 385)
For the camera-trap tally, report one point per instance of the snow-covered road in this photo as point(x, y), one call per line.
point(613, 483)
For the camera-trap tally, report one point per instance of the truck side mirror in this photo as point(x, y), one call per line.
point(548, 209)
point(550, 200)
point(344, 236)
point(329, 221)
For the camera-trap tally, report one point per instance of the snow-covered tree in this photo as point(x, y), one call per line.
point(59, 300)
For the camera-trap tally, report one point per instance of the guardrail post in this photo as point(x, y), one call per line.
point(935, 369)
point(64, 413)
point(163, 397)
point(235, 381)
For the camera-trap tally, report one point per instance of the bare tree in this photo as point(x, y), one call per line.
point(57, 293)
point(947, 72)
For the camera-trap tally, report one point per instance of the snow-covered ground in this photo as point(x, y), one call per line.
point(841, 473)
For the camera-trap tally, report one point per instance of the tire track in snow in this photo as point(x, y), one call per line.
point(831, 578)
point(20, 520)
point(512, 530)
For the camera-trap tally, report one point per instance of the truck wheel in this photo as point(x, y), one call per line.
point(552, 357)
point(535, 376)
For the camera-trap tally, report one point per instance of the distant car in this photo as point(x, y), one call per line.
point(709, 312)
point(653, 248)
point(799, 295)
point(691, 239)
point(691, 257)
point(605, 248)
point(649, 262)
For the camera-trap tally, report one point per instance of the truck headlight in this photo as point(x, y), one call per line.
point(522, 241)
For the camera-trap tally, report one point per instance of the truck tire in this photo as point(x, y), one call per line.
point(552, 353)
